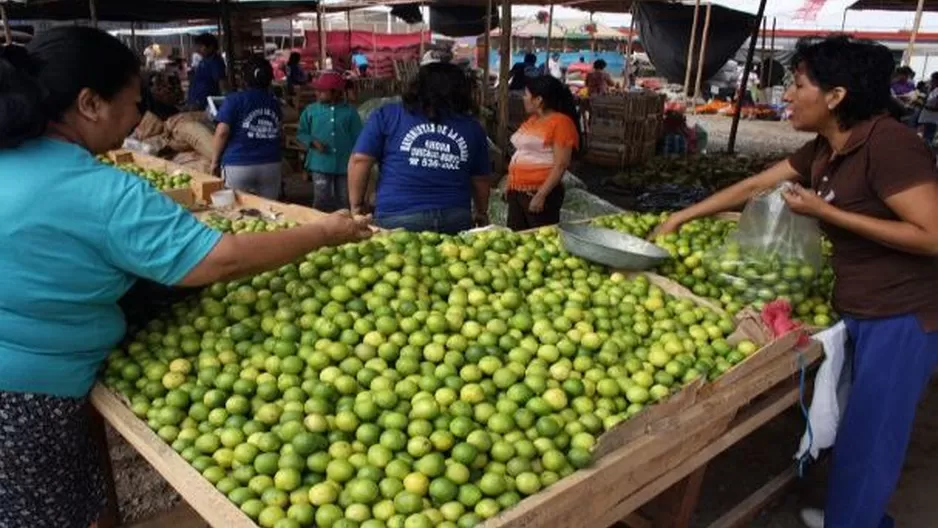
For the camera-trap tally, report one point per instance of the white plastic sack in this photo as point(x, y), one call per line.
point(831, 388)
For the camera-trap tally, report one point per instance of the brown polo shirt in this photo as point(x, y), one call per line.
point(882, 157)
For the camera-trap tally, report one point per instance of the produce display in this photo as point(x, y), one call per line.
point(411, 380)
point(245, 224)
point(711, 172)
point(710, 267)
point(159, 179)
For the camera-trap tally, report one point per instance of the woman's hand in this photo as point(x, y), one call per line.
point(341, 227)
point(537, 203)
point(671, 225)
point(215, 168)
point(805, 202)
point(320, 146)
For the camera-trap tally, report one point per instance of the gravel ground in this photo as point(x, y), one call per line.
point(741, 470)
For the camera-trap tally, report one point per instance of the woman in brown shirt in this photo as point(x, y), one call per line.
point(874, 189)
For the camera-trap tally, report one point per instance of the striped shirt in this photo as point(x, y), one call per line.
point(534, 144)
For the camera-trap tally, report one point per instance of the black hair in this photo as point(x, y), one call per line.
point(905, 70)
point(208, 40)
point(440, 89)
point(294, 58)
point(862, 68)
point(530, 58)
point(258, 73)
point(40, 82)
point(556, 97)
point(599, 64)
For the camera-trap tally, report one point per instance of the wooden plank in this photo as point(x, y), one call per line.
point(743, 425)
point(634, 520)
point(749, 508)
point(202, 184)
point(214, 507)
point(676, 505)
point(110, 517)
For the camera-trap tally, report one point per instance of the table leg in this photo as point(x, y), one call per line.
point(110, 517)
point(675, 507)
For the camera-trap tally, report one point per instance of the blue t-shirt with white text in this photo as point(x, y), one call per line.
point(254, 117)
point(424, 165)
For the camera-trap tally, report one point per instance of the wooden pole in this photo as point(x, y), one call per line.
point(487, 48)
point(229, 42)
point(734, 128)
point(592, 37)
point(703, 50)
point(133, 37)
point(771, 55)
point(93, 6)
point(7, 32)
point(292, 43)
point(907, 57)
point(628, 47)
point(550, 28)
point(504, 52)
point(348, 22)
point(320, 13)
point(423, 27)
point(690, 48)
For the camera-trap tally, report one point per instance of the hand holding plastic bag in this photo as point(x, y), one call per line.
point(774, 253)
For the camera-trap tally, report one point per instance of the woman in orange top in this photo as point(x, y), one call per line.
point(544, 146)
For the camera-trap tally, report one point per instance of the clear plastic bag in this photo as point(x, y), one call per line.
point(774, 253)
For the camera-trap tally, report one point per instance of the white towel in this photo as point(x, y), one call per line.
point(831, 387)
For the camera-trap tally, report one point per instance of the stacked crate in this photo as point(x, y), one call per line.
point(623, 129)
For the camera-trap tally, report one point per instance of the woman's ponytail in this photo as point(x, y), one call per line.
point(556, 97)
point(22, 113)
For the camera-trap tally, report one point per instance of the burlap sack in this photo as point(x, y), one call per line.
point(173, 121)
point(193, 161)
point(197, 135)
point(149, 127)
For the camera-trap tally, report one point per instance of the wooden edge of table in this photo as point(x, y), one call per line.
point(202, 184)
point(211, 504)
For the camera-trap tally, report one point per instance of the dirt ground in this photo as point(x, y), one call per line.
point(744, 468)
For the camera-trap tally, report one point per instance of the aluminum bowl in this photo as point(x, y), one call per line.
point(612, 248)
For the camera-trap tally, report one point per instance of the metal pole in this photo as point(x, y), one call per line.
point(734, 128)
point(690, 48)
point(320, 12)
point(7, 32)
point(94, 13)
point(703, 51)
point(504, 52)
point(843, 21)
point(907, 57)
point(550, 28)
point(487, 47)
point(423, 26)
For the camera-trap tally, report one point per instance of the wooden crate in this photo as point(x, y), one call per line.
point(636, 461)
point(622, 129)
point(249, 204)
point(200, 188)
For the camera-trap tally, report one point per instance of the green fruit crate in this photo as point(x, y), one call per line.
point(201, 185)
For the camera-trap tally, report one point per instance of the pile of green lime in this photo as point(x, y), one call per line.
point(246, 224)
point(412, 380)
point(161, 180)
point(710, 266)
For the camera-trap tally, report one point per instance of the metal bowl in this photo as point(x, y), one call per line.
point(612, 248)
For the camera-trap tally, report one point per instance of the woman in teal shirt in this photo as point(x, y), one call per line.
point(76, 235)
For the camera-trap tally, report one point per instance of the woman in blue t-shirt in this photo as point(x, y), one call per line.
point(77, 234)
point(434, 157)
point(247, 139)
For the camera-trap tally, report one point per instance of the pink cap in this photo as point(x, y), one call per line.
point(329, 81)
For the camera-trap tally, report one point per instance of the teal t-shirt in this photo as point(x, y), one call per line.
point(75, 235)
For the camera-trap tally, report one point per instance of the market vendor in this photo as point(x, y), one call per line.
point(433, 155)
point(247, 139)
point(873, 187)
point(544, 146)
point(76, 235)
point(208, 77)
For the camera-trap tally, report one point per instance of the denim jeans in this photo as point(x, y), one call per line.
point(449, 221)
point(330, 191)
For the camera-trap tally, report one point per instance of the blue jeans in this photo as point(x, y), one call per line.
point(330, 191)
point(893, 359)
point(449, 221)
